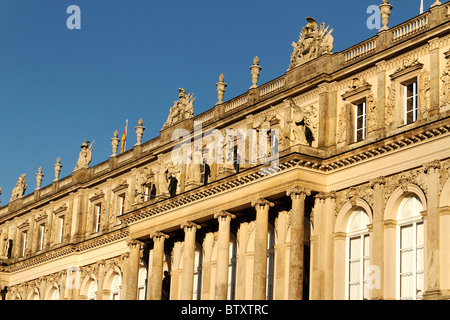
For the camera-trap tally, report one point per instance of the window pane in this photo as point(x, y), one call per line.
point(354, 268)
point(411, 103)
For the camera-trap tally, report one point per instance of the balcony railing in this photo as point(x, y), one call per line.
point(410, 27)
point(360, 50)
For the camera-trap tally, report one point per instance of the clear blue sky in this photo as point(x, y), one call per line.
point(60, 86)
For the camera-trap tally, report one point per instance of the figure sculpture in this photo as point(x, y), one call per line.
point(85, 156)
point(20, 188)
point(299, 124)
point(4, 246)
point(312, 43)
point(162, 184)
point(181, 110)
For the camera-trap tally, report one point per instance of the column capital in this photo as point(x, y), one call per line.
point(224, 214)
point(262, 202)
point(190, 225)
point(325, 195)
point(295, 191)
point(377, 181)
point(133, 243)
point(158, 234)
point(434, 43)
point(433, 165)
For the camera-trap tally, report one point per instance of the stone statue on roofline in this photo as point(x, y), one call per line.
point(20, 187)
point(182, 109)
point(313, 42)
point(85, 156)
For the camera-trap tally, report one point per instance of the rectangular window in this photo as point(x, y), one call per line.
point(24, 243)
point(41, 231)
point(122, 204)
point(410, 103)
point(411, 261)
point(358, 265)
point(61, 229)
point(98, 212)
point(360, 122)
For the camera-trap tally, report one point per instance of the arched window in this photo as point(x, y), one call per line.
point(357, 255)
point(142, 281)
point(115, 287)
point(232, 268)
point(270, 263)
point(410, 249)
point(197, 274)
point(92, 291)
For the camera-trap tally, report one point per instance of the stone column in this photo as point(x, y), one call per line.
point(377, 236)
point(187, 284)
point(260, 260)
point(298, 196)
point(223, 242)
point(157, 265)
point(432, 253)
point(131, 278)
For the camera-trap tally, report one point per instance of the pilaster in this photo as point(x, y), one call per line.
point(432, 252)
point(435, 83)
point(377, 233)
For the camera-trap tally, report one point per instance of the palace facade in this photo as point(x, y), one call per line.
point(350, 198)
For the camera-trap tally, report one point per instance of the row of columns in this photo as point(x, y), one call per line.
point(224, 218)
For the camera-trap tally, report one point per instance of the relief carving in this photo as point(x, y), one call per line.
point(445, 91)
point(424, 91)
point(390, 105)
